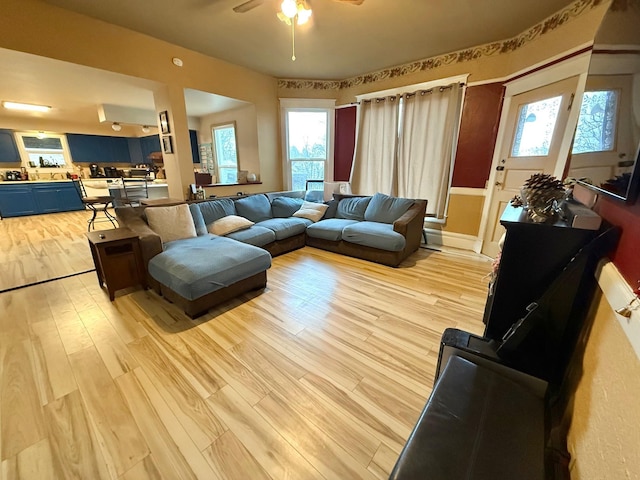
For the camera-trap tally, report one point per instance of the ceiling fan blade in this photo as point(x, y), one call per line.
point(246, 6)
point(351, 2)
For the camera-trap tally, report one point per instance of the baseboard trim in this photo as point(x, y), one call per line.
point(618, 294)
point(455, 240)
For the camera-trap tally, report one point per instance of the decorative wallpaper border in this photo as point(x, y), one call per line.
point(556, 20)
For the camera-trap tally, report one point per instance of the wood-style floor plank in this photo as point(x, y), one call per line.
point(76, 451)
point(119, 436)
point(321, 375)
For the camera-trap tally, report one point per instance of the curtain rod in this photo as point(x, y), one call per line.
point(421, 92)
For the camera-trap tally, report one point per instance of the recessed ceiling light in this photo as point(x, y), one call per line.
point(146, 129)
point(26, 106)
point(116, 126)
point(41, 135)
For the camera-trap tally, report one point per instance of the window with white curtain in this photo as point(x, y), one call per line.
point(406, 144)
point(308, 141)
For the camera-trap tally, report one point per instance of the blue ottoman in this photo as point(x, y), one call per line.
point(198, 273)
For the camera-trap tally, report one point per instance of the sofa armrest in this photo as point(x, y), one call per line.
point(410, 225)
point(150, 241)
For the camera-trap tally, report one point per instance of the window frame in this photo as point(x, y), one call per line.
point(24, 152)
point(306, 105)
point(218, 166)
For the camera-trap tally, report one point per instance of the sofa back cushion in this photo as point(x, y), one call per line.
point(285, 207)
point(385, 209)
point(171, 223)
point(216, 209)
point(352, 208)
point(255, 207)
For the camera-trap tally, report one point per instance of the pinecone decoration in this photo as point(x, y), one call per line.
point(539, 193)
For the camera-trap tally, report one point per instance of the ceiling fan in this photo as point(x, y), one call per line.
point(251, 4)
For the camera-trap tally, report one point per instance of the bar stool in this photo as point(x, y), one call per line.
point(101, 202)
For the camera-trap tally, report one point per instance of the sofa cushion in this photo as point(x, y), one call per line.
point(216, 209)
point(288, 193)
point(198, 219)
point(285, 227)
point(385, 209)
point(329, 229)
point(316, 196)
point(311, 211)
point(333, 208)
point(196, 266)
point(255, 235)
point(375, 235)
point(171, 223)
point(284, 207)
point(255, 207)
point(229, 224)
point(352, 208)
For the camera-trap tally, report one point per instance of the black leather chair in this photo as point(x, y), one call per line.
point(94, 204)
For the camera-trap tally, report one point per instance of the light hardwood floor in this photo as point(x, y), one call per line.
point(322, 375)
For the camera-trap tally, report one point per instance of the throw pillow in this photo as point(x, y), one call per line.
point(311, 211)
point(352, 208)
point(386, 209)
point(229, 224)
point(284, 207)
point(171, 223)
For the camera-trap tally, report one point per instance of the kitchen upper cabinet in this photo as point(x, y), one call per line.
point(98, 148)
point(149, 144)
point(8, 148)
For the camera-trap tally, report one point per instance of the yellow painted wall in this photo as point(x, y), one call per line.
point(604, 439)
point(464, 215)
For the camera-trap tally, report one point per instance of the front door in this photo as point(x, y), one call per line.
point(536, 124)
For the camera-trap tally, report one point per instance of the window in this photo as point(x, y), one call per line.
point(308, 129)
point(536, 123)
point(596, 130)
point(43, 151)
point(225, 151)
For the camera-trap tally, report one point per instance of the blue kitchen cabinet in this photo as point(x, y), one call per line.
point(8, 148)
point(17, 200)
point(195, 151)
point(98, 148)
point(149, 144)
point(57, 197)
point(35, 198)
point(135, 150)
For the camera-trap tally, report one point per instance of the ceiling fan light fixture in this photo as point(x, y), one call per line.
point(303, 14)
point(289, 8)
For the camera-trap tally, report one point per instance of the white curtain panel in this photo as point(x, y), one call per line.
point(374, 164)
point(425, 150)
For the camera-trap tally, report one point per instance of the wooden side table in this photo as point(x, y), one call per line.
point(117, 258)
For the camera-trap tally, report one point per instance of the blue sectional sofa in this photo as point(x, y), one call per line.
point(227, 246)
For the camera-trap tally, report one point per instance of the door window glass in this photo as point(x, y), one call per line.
point(536, 122)
point(596, 130)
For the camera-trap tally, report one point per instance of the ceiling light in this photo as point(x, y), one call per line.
point(26, 106)
point(116, 126)
point(146, 129)
point(41, 135)
point(292, 12)
point(289, 8)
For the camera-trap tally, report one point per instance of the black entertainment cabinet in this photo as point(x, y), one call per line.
point(544, 286)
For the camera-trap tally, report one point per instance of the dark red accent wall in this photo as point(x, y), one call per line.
point(345, 139)
point(477, 138)
point(627, 256)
